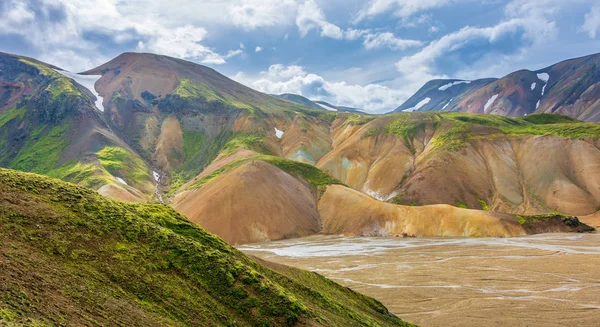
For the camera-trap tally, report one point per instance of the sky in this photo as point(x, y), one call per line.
point(370, 54)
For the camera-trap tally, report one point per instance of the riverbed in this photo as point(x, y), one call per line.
point(541, 280)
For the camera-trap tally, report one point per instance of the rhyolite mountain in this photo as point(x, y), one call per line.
point(49, 124)
point(251, 167)
point(570, 88)
point(70, 257)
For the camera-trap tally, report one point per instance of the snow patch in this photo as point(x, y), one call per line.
point(544, 89)
point(449, 85)
point(537, 105)
point(156, 176)
point(544, 77)
point(327, 107)
point(490, 102)
point(278, 133)
point(121, 180)
point(418, 106)
point(447, 104)
point(533, 86)
point(87, 81)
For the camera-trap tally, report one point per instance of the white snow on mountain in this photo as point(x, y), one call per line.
point(449, 85)
point(418, 106)
point(490, 102)
point(544, 77)
point(447, 104)
point(278, 133)
point(87, 81)
point(327, 107)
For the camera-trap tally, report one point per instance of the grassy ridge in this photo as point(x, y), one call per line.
point(313, 175)
point(71, 256)
point(454, 130)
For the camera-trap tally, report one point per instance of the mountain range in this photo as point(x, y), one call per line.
point(251, 167)
point(568, 88)
point(154, 166)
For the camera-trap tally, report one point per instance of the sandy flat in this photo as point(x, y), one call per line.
point(542, 280)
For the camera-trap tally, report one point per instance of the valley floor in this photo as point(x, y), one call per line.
point(542, 280)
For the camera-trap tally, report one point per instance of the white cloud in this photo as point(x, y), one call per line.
point(233, 53)
point(401, 8)
point(258, 49)
point(310, 17)
point(295, 79)
point(530, 21)
point(387, 39)
point(592, 22)
point(182, 42)
point(252, 14)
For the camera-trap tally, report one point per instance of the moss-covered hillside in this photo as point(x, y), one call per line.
point(69, 256)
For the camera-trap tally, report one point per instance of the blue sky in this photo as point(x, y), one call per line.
point(367, 54)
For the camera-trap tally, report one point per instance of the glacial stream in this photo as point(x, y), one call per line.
point(542, 280)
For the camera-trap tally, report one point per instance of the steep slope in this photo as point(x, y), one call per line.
point(257, 198)
point(50, 124)
point(70, 256)
point(569, 88)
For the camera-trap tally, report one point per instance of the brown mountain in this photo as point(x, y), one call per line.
point(568, 88)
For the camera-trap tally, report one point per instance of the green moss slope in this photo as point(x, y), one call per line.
point(313, 175)
point(453, 130)
point(72, 257)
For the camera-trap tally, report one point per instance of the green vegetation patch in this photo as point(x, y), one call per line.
point(316, 177)
point(249, 141)
point(191, 89)
point(456, 129)
point(121, 264)
point(535, 218)
point(193, 142)
point(42, 150)
point(60, 85)
point(357, 120)
point(84, 174)
point(120, 162)
point(12, 114)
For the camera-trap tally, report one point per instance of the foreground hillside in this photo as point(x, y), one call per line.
point(568, 88)
point(71, 256)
